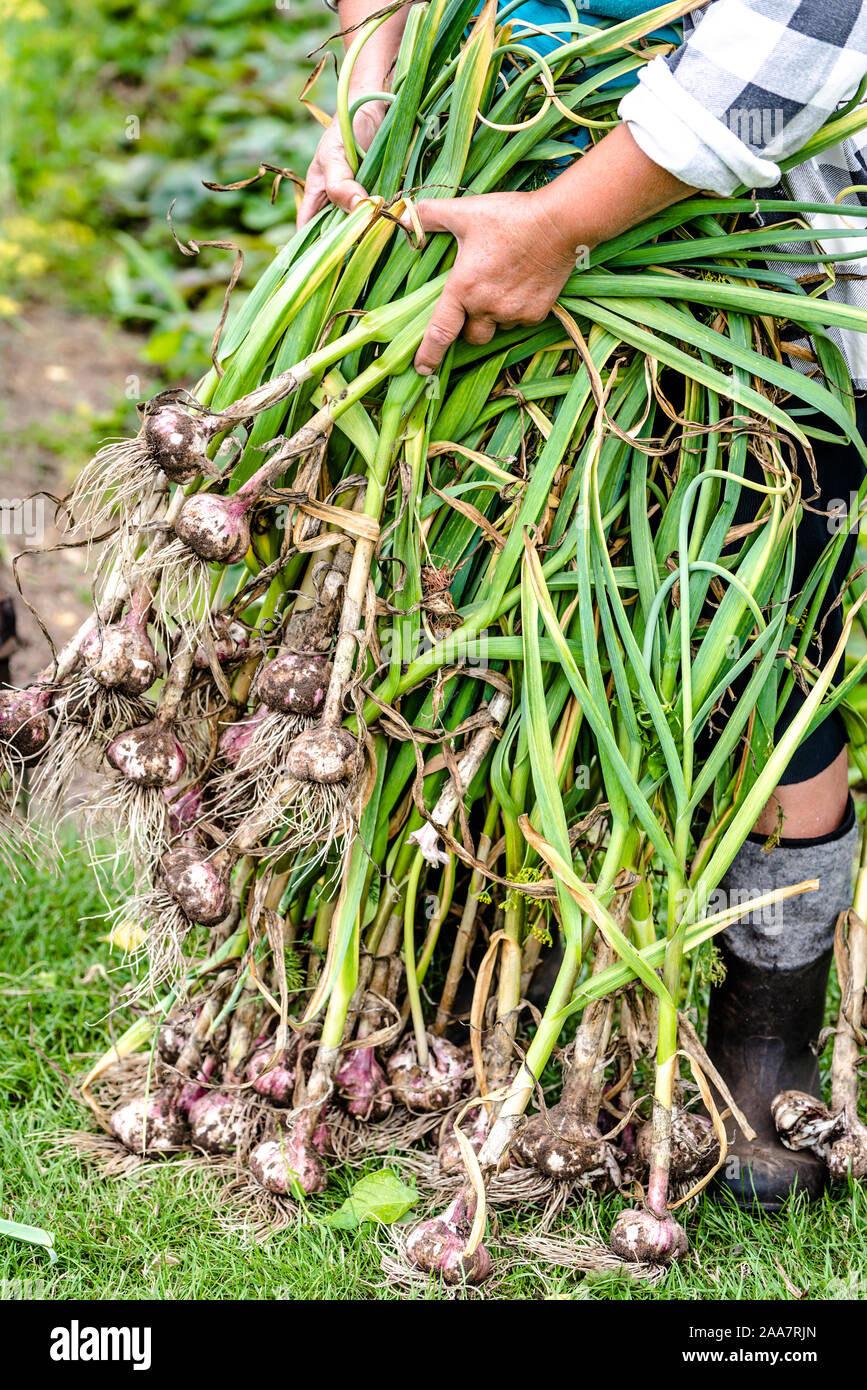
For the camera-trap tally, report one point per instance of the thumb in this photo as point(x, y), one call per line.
point(440, 215)
point(445, 324)
point(346, 194)
point(342, 188)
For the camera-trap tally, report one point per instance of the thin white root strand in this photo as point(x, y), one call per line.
point(253, 780)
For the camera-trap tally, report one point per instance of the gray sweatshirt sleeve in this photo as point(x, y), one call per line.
point(753, 80)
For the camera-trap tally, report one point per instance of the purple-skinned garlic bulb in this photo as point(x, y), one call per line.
point(273, 1078)
point(216, 528)
point(288, 1164)
point(186, 807)
point(199, 881)
point(642, 1237)
point(121, 656)
point(294, 684)
point(149, 756)
point(322, 754)
point(25, 724)
point(435, 1087)
point(363, 1085)
point(230, 644)
point(150, 1126)
point(218, 1122)
point(439, 1246)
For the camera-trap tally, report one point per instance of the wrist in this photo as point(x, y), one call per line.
point(373, 77)
point(562, 222)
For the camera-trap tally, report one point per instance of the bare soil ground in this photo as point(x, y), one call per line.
point(59, 373)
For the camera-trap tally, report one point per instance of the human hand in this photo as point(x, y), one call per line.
point(517, 250)
point(330, 178)
point(513, 260)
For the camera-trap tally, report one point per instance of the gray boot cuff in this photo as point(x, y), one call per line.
point(793, 933)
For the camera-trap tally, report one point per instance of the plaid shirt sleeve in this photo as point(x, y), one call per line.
point(752, 81)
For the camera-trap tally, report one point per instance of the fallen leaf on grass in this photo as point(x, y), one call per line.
point(30, 1235)
point(378, 1197)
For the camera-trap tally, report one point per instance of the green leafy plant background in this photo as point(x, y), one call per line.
point(109, 112)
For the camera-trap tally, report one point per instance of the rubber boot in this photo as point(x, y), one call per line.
point(766, 1016)
point(761, 1026)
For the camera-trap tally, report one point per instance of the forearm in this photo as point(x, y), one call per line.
point(375, 61)
point(608, 190)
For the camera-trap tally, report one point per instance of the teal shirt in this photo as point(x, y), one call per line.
point(596, 12)
point(553, 12)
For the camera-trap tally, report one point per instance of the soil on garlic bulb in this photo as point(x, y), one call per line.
point(435, 1087)
point(439, 1246)
point(694, 1145)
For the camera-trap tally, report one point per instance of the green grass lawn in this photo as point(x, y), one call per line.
point(160, 1235)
